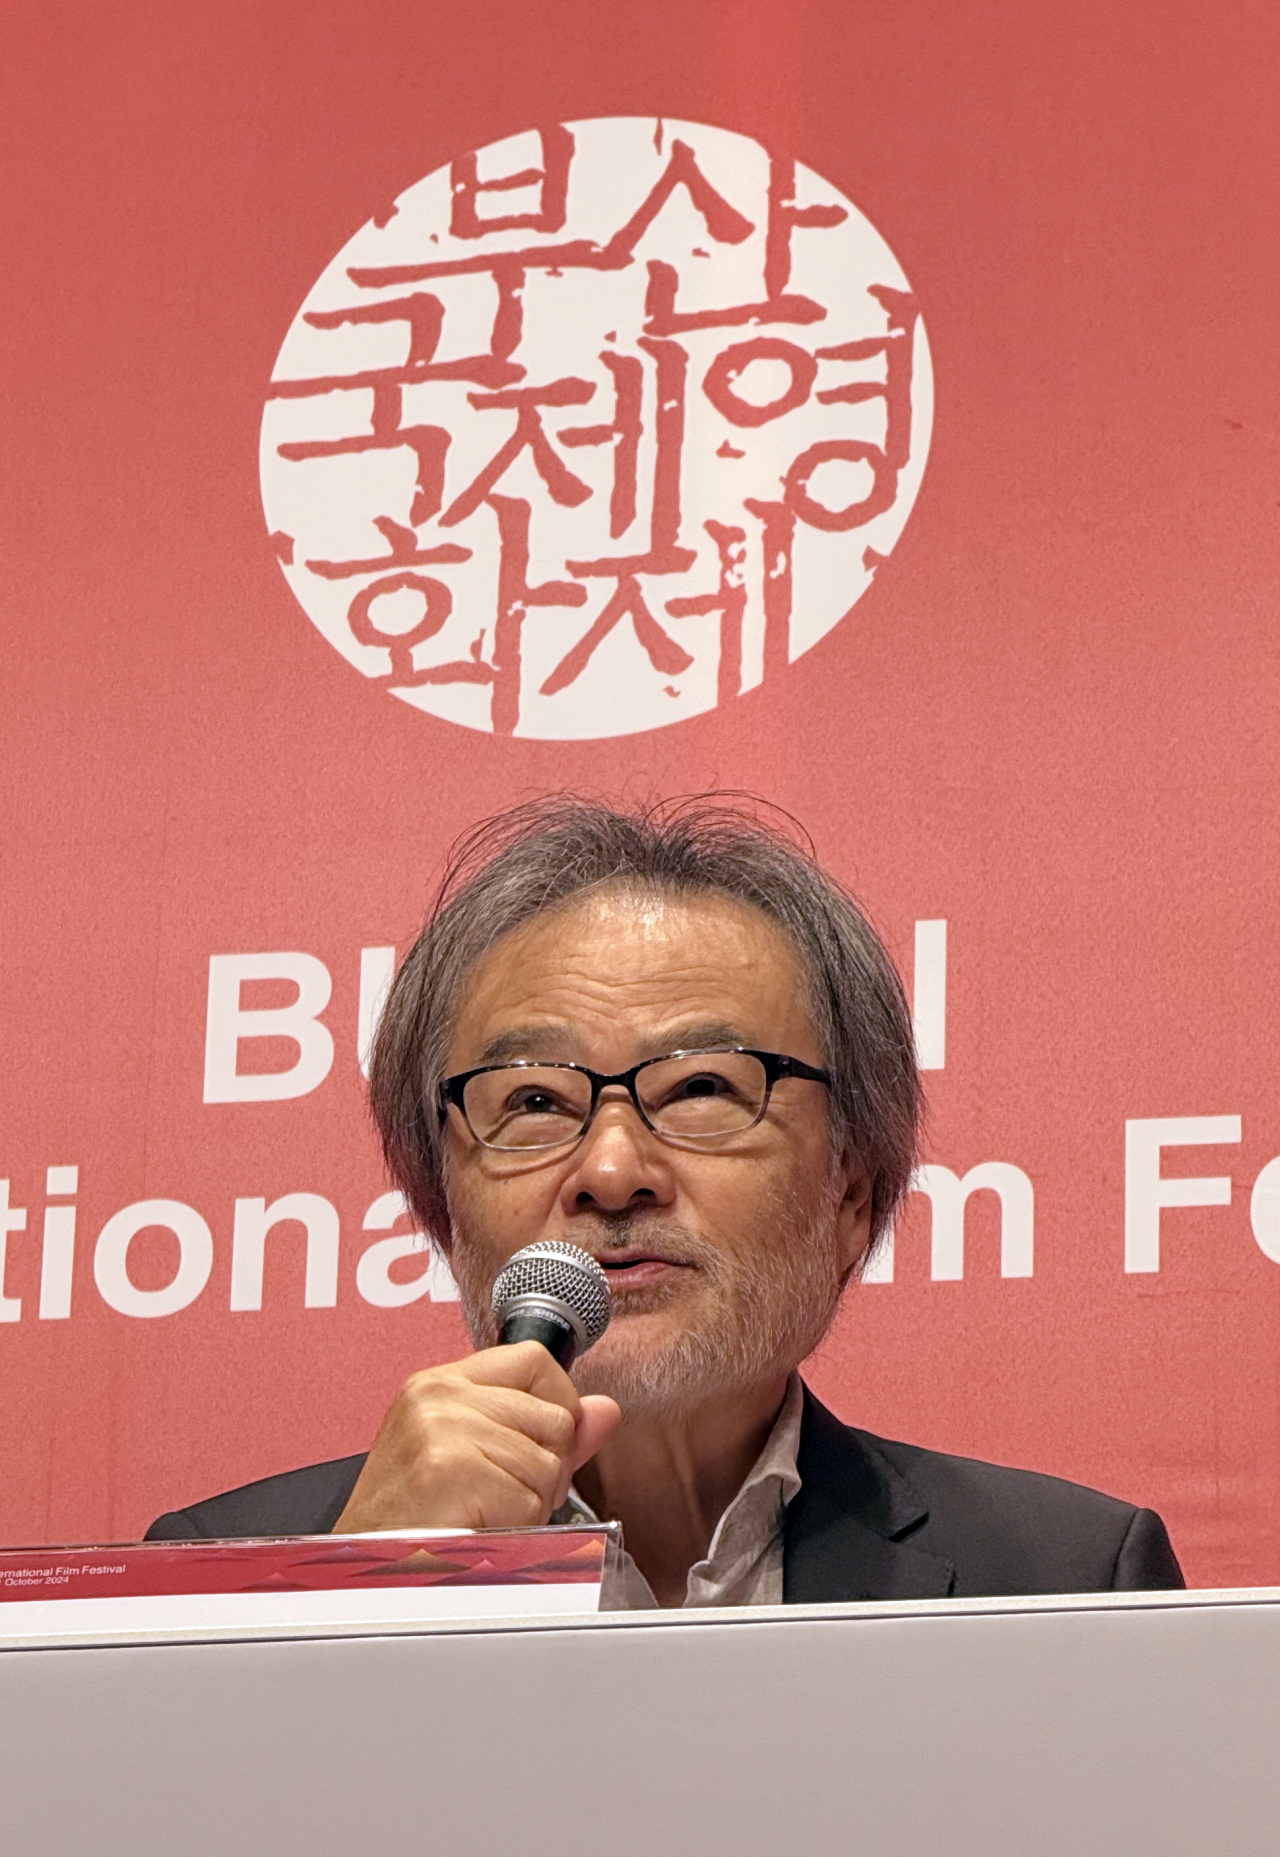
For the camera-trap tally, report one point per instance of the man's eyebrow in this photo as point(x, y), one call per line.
point(706, 1035)
point(555, 1042)
point(529, 1041)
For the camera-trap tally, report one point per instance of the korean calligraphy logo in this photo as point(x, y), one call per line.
point(597, 428)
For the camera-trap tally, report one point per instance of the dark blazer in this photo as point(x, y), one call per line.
point(872, 1520)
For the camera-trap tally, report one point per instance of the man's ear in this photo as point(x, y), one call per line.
point(853, 1214)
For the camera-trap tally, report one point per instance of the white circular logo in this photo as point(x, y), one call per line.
point(596, 428)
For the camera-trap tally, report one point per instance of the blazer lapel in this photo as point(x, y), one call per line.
point(845, 1532)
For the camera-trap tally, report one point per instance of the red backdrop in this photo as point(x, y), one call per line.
point(1049, 721)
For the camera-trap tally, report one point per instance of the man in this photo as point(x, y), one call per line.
point(667, 1036)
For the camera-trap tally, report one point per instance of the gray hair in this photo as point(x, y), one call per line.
point(544, 854)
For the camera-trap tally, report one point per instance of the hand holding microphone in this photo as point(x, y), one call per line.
point(493, 1441)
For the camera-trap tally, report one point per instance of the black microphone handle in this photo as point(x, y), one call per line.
point(539, 1323)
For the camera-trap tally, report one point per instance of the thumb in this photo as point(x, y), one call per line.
point(598, 1419)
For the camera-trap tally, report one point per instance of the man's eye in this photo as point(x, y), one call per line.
point(705, 1083)
point(536, 1102)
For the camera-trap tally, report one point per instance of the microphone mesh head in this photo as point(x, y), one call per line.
point(552, 1268)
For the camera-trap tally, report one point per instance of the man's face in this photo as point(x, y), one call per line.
point(725, 1262)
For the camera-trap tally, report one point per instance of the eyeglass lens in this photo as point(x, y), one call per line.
point(692, 1098)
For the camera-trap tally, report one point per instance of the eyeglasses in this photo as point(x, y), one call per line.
point(686, 1096)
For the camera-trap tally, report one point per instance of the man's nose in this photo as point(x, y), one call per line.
point(618, 1163)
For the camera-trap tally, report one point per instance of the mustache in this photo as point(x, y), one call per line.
point(658, 1236)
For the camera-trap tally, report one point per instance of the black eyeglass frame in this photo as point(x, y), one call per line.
point(775, 1066)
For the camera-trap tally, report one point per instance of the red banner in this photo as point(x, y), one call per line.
point(415, 411)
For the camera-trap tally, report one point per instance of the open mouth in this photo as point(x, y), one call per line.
point(639, 1267)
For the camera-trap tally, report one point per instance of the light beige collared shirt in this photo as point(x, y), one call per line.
point(743, 1566)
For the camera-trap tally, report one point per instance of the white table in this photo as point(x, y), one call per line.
point(1126, 1724)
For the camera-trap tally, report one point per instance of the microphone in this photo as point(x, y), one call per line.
point(554, 1293)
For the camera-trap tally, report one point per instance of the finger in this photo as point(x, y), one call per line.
point(527, 1367)
point(493, 1479)
point(535, 1470)
point(538, 1419)
point(490, 1497)
point(562, 1488)
point(598, 1419)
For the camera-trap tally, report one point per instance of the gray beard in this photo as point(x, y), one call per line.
point(765, 1314)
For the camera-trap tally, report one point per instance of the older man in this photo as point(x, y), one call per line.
point(667, 1036)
